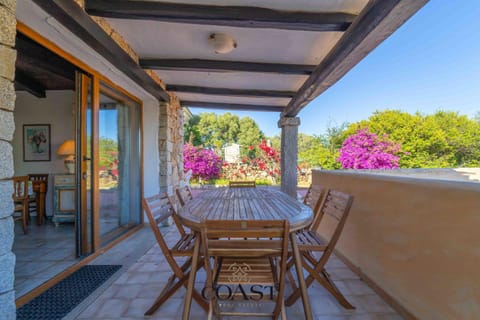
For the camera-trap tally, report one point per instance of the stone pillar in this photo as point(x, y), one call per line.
point(7, 127)
point(170, 145)
point(289, 154)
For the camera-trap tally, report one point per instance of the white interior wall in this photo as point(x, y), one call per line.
point(57, 109)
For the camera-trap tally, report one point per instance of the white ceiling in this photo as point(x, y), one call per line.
point(154, 38)
point(187, 41)
point(167, 40)
point(235, 80)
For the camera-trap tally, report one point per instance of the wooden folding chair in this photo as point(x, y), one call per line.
point(313, 198)
point(242, 184)
point(245, 253)
point(184, 194)
point(21, 200)
point(159, 208)
point(336, 205)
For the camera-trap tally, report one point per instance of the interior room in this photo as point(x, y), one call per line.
point(44, 139)
point(69, 207)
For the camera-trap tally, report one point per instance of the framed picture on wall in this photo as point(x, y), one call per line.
point(36, 142)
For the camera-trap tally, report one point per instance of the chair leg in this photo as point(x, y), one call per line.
point(321, 275)
point(333, 289)
point(25, 218)
point(284, 311)
point(301, 281)
point(166, 293)
point(171, 287)
point(191, 280)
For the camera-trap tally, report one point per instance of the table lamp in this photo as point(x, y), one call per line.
point(67, 149)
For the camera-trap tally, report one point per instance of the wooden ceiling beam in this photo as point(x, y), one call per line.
point(27, 83)
point(75, 19)
point(231, 92)
point(232, 16)
point(42, 59)
point(376, 22)
point(224, 65)
point(231, 106)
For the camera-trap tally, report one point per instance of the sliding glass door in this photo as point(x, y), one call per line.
point(118, 163)
point(108, 165)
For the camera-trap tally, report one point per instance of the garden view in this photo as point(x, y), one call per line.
point(388, 139)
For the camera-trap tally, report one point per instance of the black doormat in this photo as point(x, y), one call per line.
point(59, 300)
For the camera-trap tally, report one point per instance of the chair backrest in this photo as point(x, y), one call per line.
point(242, 184)
point(158, 209)
point(39, 177)
point(313, 199)
point(337, 205)
point(244, 240)
point(238, 238)
point(20, 188)
point(184, 194)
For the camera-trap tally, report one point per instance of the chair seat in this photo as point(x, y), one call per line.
point(308, 240)
point(184, 246)
point(246, 271)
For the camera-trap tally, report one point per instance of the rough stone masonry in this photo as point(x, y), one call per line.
point(7, 127)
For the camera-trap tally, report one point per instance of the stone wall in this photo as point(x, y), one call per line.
point(170, 145)
point(7, 127)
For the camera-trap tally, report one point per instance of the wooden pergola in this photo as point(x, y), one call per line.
point(286, 53)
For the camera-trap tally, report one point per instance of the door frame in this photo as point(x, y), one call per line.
point(96, 78)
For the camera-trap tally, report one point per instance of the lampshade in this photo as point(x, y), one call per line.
point(67, 149)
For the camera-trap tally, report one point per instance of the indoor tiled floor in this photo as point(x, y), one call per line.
point(132, 292)
point(42, 253)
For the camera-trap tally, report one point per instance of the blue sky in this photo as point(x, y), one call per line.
point(431, 63)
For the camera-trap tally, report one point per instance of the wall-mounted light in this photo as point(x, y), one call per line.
point(222, 43)
point(67, 149)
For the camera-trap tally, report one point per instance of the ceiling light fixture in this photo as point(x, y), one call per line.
point(222, 43)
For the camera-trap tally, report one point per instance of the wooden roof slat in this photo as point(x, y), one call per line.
point(70, 15)
point(231, 92)
point(224, 65)
point(233, 16)
point(231, 106)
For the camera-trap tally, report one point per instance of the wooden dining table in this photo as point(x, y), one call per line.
point(260, 203)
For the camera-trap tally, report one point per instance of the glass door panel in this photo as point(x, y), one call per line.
point(118, 163)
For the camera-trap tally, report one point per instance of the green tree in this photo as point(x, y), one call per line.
point(190, 129)
point(441, 140)
point(249, 135)
point(215, 131)
point(313, 152)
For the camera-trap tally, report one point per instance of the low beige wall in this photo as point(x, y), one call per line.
point(417, 239)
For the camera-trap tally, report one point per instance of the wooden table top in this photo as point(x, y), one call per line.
point(259, 203)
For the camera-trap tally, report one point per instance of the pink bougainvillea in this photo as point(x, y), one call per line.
point(204, 163)
point(366, 150)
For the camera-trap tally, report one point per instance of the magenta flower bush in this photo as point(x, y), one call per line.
point(205, 164)
point(366, 150)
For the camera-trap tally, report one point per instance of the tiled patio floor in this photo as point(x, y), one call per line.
point(132, 293)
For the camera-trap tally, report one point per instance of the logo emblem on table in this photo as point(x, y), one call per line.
point(239, 272)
